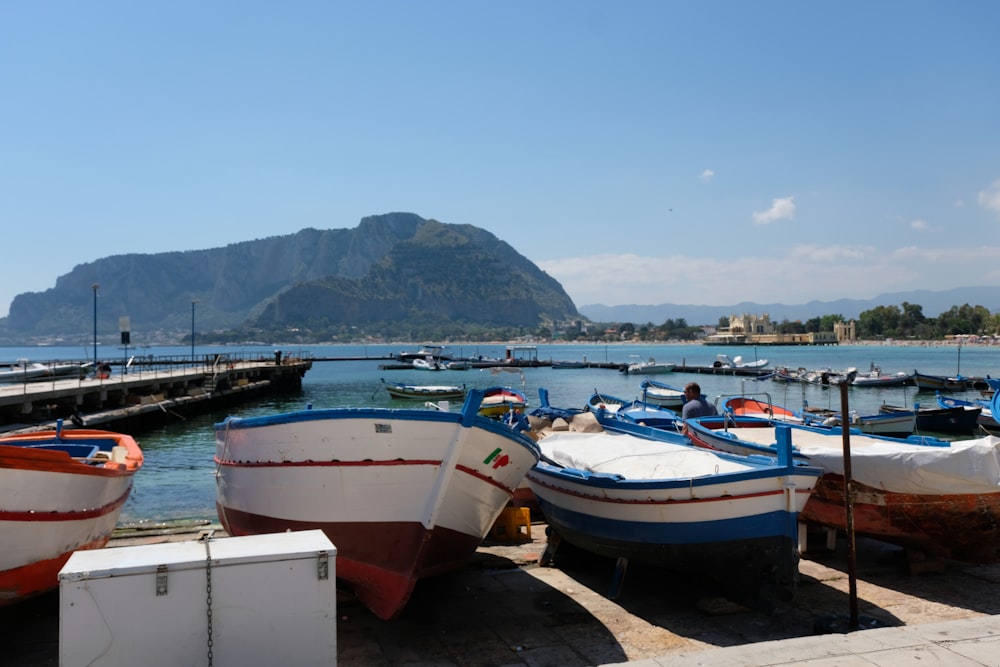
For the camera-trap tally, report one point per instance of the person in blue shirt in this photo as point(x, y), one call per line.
point(695, 404)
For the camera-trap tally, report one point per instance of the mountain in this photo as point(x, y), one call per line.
point(395, 270)
point(933, 303)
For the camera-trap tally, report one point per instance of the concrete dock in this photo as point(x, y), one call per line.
point(505, 609)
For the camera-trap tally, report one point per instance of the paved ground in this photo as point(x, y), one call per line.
point(504, 609)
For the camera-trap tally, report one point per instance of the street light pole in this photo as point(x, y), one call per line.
point(193, 301)
point(95, 286)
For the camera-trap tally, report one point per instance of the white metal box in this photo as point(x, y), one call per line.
point(273, 602)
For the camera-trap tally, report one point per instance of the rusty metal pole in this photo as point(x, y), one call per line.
point(852, 570)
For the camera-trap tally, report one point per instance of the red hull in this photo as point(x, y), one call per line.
point(960, 527)
point(39, 577)
point(381, 562)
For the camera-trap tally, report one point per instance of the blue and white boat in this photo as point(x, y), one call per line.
point(636, 493)
point(636, 411)
point(662, 394)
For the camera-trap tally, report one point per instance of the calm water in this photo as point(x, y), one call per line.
point(176, 481)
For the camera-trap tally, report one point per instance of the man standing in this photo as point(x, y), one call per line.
point(695, 404)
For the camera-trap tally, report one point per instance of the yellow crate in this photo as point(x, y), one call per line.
point(513, 525)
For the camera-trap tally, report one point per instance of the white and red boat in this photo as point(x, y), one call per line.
point(60, 491)
point(403, 494)
point(941, 497)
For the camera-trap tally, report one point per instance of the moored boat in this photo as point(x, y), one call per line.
point(637, 493)
point(940, 497)
point(60, 491)
point(926, 382)
point(637, 412)
point(651, 367)
point(898, 424)
point(404, 494)
point(499, 401)
point(874, 377)
point(425, 392)
point(986, 420)
point(954, 420)
point(662, 394)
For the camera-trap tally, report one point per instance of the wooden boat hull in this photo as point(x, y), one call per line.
point(737, 527)
point(403, 494)
point(52, 504)
point(963, 526)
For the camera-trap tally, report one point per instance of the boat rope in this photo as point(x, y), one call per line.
point(208, 592)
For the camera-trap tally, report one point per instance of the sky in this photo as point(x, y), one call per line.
point(641, 152)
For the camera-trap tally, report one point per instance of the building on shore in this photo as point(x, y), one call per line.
point(751, 329)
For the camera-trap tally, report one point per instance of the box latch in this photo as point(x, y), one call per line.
point(161, 580)
point(323, 566)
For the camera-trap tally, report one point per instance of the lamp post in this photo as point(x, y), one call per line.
point(94, 287)
point(193, 301)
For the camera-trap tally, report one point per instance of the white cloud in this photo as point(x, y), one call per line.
point(707, 175)
point(793, 275)
point(959, 203)
point(990, 198)
point(919, 225)
point(781, 209)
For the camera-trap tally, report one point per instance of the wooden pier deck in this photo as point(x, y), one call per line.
point(145, 393)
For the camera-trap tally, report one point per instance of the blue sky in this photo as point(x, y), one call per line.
point(639, 152)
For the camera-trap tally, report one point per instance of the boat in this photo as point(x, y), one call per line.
point(61, 491)
point(936, 496)
point(569, 364)
point(636, 411)
point(29, 371)
point(427, 364)
point(897, 424)
point(788, 375)
point(955, 420)
point(425, 392)
point(499, 401)
point(723, 361)
point(435, 352)
point(985, 421)
point(925, 382)
point(641, 494)
point(827, 376)
point(662, 394)
point(874, 377)
point(404, 494)
point(651, 367)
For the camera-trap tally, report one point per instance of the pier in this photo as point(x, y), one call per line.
point(146, 391)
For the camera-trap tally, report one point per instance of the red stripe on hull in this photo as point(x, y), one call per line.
point(381, 561)
point(39, 577)
point(961, 527)
point(75, 515)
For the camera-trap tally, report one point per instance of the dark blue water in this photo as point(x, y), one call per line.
point(177, 482)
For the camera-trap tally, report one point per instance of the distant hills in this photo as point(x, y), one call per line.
point(933, 303)
point(396, 276)
point(395, 273)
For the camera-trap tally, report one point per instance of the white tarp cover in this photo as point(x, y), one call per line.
point(963, 467)
point(633, 457)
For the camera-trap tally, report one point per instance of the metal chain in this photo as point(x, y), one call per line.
point(208, 590)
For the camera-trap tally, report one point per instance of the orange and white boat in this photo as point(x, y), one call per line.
point(60, 492)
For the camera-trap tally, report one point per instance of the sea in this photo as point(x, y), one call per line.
point(177, 482)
